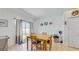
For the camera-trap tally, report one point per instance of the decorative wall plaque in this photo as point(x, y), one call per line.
point(65, 23)
point(3, 23)
point(45, 23)
point(41, 24)
point(50, 23)
point(75, 12)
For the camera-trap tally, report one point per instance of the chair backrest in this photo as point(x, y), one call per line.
point(44, 33)
point(33, 36)
point(48, 34)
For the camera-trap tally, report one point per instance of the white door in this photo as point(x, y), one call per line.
point(74, 32)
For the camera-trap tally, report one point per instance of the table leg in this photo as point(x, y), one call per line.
point(27, 43)
point(50, 44)
point(46, 45)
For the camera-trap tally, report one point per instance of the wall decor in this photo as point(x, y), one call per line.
point(65, 23)
point(75, 12)
point(3, 23)
point(41, 24)
point(45, 23)
point(50, 23)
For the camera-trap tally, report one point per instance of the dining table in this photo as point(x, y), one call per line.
point(43, 38)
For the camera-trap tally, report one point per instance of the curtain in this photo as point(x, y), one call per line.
point(18, 31)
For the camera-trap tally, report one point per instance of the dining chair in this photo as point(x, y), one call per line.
point(34, 42)
point(49, 42)
point(44, 33)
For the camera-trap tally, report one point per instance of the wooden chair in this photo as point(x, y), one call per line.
point(34, 41)
point(44, 33)
point(49, 42)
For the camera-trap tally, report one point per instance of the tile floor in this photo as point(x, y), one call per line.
point(56, 47)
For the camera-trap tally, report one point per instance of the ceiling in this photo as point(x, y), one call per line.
point(44, 12)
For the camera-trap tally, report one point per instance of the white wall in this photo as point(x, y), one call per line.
point(58, 24)
point(9, 14)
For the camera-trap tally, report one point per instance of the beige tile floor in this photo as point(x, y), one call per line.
point(16, 47)
point(59, 47)
point(55, 47)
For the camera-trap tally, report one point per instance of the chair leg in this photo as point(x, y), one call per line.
point(31, 46)
point(36, 47)
point(44, 46)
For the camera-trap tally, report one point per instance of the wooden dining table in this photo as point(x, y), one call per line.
point(43, 38)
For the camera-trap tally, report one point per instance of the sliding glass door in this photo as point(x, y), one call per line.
point(25, 30)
